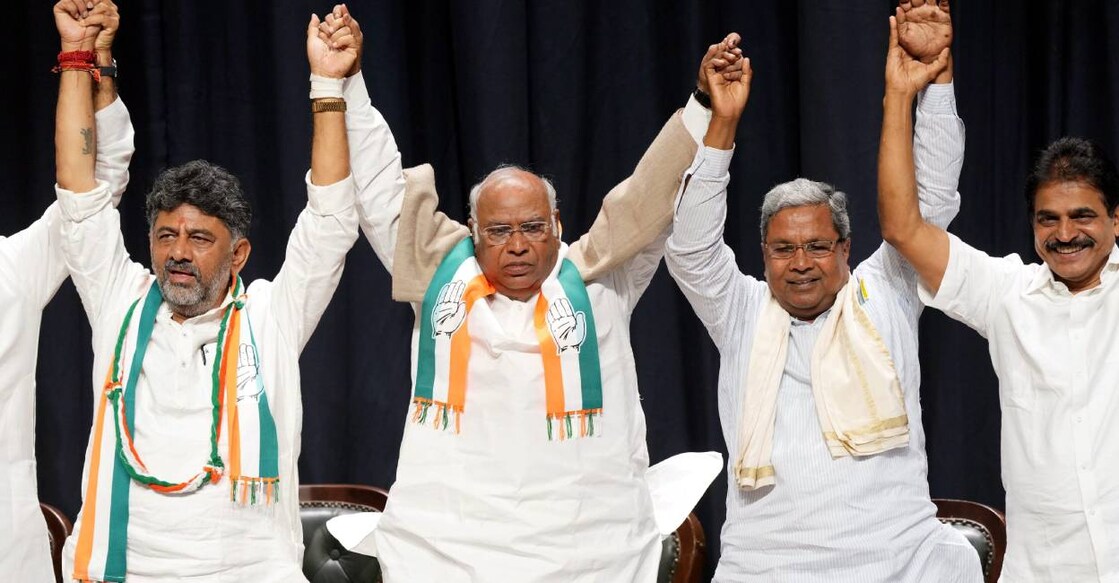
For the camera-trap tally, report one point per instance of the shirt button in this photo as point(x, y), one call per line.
point(1079, 419)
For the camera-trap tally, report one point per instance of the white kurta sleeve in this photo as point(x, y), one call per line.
point(974, 284)
point(698, 259)
point(316, 253)
point(115, 146)
point(96, 258)
point(377, 170)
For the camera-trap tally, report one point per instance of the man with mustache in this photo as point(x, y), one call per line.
point(191, 468)
point(524, 456)
point(1052, 332)
point(819, 384)
point(32, 268)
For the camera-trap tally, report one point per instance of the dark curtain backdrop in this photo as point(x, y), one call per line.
point(575, 90)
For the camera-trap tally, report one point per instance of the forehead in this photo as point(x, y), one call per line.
point(513, 196)
point(1059, 197)
point(189, 216)
point(802, 223)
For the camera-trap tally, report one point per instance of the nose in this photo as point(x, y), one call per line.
point(800, 262)
point(180, 250)
point(1066, 231)
point(517, 244)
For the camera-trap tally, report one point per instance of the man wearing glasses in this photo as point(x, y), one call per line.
point(523, 456)
point(819, 379)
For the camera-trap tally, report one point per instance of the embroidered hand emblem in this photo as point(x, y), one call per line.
point(449, 310)
point(568, 327)
point(247, 371)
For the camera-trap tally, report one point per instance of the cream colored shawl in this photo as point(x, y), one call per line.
point(854, 383)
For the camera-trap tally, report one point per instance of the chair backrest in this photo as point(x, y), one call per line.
point(58, 528)
point(684, 553)
point(325, 560)
point(983, 526)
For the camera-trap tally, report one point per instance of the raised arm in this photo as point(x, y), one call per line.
point(74, 139)
point(627, 237)
point(327, 228)
point(923, 244)
point(698, 259)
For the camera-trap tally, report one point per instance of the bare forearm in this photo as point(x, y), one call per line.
point(721, 132)
point(899, 212)
point(74, 135)
point(330, 152)
point(106, 91)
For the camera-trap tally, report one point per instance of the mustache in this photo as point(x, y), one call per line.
point(1081, 242)
point(181, 266)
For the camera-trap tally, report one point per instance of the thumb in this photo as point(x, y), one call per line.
point(313, 26)
point(893, 32)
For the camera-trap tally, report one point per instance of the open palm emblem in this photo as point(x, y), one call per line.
point(449, 310)
point(568, 327)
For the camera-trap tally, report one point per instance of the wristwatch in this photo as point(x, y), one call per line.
point(701, 97)
point(110, 71)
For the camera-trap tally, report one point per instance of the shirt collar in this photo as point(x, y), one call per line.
point(1044, 280)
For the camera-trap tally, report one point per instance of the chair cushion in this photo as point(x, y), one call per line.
point(325, 560)
point(670, 556)
point(978, 536)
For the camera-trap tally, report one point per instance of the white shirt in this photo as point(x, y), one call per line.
point(499, 501)
point(1058, 367)
point(867, 519)
point(31, 269)
point(202, 537)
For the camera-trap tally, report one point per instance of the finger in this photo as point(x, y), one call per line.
point(893, 33)
point(460, 290)
point(732, 40)
point(339, 33)
point(917, 3)
point(346, 42)
point(351, 22)
point(72, 8)
point(944, 6)
point(95, 20)
point(940, 64)
point(900, 14)
point(313, 25)
point(710, 54)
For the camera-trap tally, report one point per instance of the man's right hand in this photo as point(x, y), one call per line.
point(339, 19)
point(77, 24)
point(924, 28)
point(726, 57)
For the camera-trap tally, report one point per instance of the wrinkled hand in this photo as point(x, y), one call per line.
point(449, 310)
point(330, 58)
point(338, 19)
point(568, 327)
point(924, 28)
point(729, 93)
point(904, 73)
point(726, 56)
point(74, 30)
point(107, 15)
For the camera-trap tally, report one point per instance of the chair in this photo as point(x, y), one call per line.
point(685, 553)
point(58, 528)
point(325, 560)
point(983, 526)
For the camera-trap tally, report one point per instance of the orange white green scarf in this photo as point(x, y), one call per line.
point(565, 329)
point(115, 464)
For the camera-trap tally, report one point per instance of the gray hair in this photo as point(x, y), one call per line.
point(210, 188)
point(804, 192)
point(476, 190)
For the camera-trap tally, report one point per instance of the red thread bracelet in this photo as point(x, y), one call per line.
point(78, 61)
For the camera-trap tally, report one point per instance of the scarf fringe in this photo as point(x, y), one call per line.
point(251, 491)
point(565, 422)
point(436, 414)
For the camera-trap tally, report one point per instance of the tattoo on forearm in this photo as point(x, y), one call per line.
point(87, 135)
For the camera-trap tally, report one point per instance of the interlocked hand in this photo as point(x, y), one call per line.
point(449, 310)
point(568, 327)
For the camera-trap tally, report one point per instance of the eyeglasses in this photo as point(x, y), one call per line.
point(500, 234)
point(816, 249)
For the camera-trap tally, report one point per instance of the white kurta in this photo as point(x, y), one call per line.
point(499, 501)
point(866, 519)
point(1058, 367)
point(31, 269)
point(202, 537)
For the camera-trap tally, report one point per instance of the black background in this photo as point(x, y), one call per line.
point(576, 90)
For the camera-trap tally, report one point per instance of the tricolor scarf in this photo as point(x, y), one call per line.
point(565, 329)
point(115, 464)
point(858, 396)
